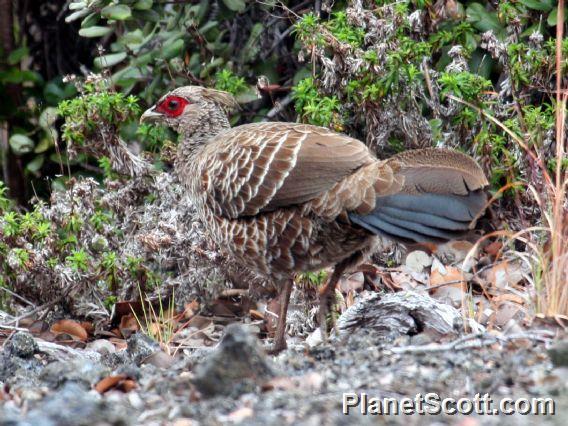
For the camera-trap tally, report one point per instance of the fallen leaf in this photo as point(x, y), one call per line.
point(256, 315)
point(70, 327)
point(493, 248)
point(127, 385)
point(119, 382)
point(128, 325)
point(199, 322)
point(191, 309)
point(447, 283)
point(507, 307)
point(504, 274)
point(36, 327)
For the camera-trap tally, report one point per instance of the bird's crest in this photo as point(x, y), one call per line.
point(224, 99)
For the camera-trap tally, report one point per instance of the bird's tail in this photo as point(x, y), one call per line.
point(441, 196)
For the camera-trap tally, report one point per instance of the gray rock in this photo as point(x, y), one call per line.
point(397, 314)
point(17, 363)
point(84, 372)
point(74, 406)
point(237, 366)
point(140, 347)
point(558, 353)
point(22, 344)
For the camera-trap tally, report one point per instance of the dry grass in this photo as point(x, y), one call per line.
point(158, 324)
point(546, 243)
point(552, 291)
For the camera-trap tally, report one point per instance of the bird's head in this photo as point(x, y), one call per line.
point(190, 108)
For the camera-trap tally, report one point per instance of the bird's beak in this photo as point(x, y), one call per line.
point(150, 116)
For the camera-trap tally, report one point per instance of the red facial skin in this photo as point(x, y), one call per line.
point(172, 106)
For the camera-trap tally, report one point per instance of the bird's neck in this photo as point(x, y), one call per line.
point(194, 138)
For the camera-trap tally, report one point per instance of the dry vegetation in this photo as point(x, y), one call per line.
point(398, 75)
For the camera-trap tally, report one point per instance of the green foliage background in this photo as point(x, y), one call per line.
point(395, 74)
point(146, 47)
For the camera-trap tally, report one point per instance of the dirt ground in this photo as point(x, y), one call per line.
point(385, 346)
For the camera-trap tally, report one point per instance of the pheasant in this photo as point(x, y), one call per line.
point(285, 197)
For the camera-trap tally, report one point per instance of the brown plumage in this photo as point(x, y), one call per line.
point(287, 197)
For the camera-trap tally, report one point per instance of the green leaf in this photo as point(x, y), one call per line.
point(77, 5)
point(91, 20)
point(35, 165)
point(235, 5)
point(172, 49)
point(16, 76)
point(43, 145)
point(482, 19)
point(553, 17)
point(119, 12)
point(208, 26)
point(543, 5)
point(132, 37)
point(144, 59)
point(127, 76)
point(31, 76)
point(95, 31)
point(21, 144)
point(76, 15)
point(54, 93)
point(252, 46)
point(17, 55)
point(48, 117)
point(110, 60)
point(143, 4)
point(147, 15)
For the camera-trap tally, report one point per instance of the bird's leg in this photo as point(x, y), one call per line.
point(326, 297)
point(280, 337)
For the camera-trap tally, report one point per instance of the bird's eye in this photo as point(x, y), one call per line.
point(172, 106)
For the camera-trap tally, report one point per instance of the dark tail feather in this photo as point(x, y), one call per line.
point(423, 217)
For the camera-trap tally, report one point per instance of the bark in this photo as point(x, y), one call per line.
point(12, 168)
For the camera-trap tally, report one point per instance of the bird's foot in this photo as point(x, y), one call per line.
point(280, 336)
point(325, 307)
point(278, 346)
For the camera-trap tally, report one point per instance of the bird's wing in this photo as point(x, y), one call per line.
point(260, 167)
point(441, 196)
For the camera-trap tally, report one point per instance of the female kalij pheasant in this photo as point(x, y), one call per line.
point(285, 198)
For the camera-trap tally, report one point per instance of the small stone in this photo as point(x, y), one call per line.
point(102, 346)
point(418, 260)
point(84, 372)
point(314, 338)
point(558, 353)
point(237, 366)
point(74, 406)
point(141, 347)
point(21, 344)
